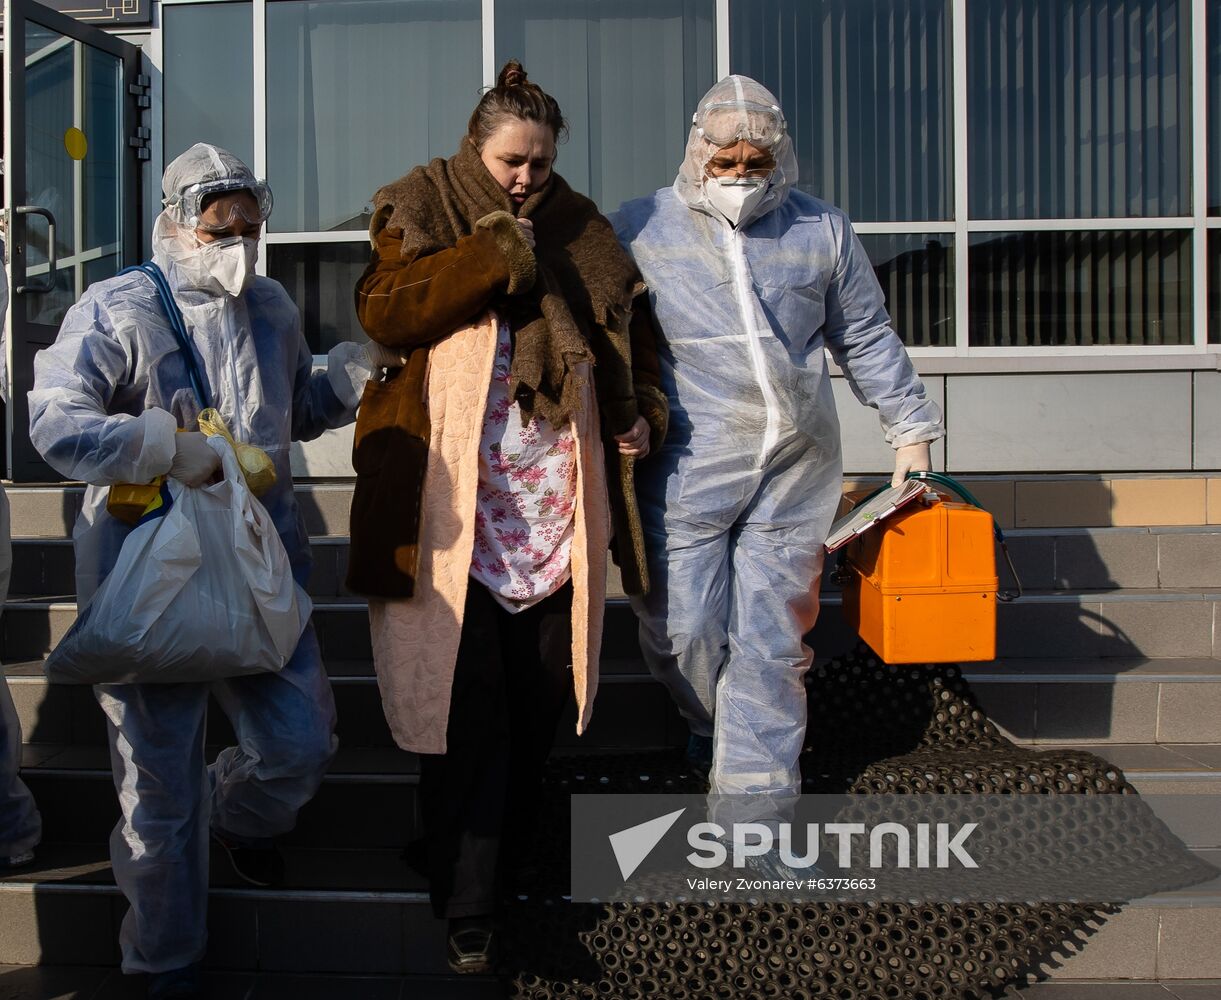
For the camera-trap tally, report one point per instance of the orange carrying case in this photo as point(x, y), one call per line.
point(921, 586)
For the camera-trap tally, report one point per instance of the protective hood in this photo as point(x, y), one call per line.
point(205, 268)
point(742, 108)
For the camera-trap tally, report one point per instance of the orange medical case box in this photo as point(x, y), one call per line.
point(921, 585)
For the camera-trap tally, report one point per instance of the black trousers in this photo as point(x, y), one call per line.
point(512, 681)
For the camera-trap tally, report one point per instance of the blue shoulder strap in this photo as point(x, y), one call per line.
point(153, 273)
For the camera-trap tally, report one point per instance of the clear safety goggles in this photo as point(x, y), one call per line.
point(191, 201)
point(723, 123)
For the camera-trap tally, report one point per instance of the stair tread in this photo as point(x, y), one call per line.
point(1135, 758)
point(349, 763)
point(341, 602)
point(1137, 668)
point(381, 762)
point(1141, 668)
point(375, 873)
point(364, 869)
point(36, 982)
point(1010, 533)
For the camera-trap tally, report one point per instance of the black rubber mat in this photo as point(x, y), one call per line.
point(872, 728)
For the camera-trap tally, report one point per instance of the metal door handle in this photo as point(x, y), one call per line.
point(46, 214)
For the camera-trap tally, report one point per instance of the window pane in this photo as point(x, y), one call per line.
point(209, 84)
point(50, 107)
point(1079, 108)
point(100, 184)
point(627, 75)
point(1214, 107)
point(1055, 289)
point(916, 271)
point(320, 279)
point(1214, 286)
point(358, 93)
point(867, 91)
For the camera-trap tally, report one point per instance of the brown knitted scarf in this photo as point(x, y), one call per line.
point(578, 308)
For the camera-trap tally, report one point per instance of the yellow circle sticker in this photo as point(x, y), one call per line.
point(76, 144)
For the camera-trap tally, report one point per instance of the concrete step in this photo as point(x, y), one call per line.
point(103, 983)
point(354, 912)
point(1043, 624)
point(47, 566)
point(49, 511)
point(64, 982)
point(367, 800)
point(1081, 560)
point(633, 711)
point(1050, 500)
point(364, 912)
point(368, 797)
point(1104, 702)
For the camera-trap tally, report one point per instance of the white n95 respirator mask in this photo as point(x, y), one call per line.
point(231, 262)
point(735, 197)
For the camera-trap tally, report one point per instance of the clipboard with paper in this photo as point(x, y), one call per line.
point(877, 508)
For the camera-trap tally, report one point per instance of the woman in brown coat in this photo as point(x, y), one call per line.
point(492, 469)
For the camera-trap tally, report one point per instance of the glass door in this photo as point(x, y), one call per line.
point(70, 185)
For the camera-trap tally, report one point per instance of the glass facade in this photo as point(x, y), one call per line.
point(70, 85)
point(1019, 171)
point(916, 271)
point(1213, 48)
point(866, 88)
point(1079, 109)
point(320, 278)
point(358, 93)
point(208, 87)
point(626, 74)
point(1062, 289)
point(1214, 287)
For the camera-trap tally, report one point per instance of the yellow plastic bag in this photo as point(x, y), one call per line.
point(257, 467)
point(130, 501)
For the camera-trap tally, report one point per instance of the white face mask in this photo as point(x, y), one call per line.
point(734, 197)
point(231, 262)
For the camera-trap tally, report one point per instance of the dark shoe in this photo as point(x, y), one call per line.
point(699, 755)
point(177, 984)
point(415, 856)
point(471, 945)
point(262, 867)
point(15, 861)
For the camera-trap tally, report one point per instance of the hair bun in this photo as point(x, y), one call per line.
point(512, 75)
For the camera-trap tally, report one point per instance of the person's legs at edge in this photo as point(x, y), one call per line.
point(20, 822)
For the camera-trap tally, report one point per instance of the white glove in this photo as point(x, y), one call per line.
point(195, 462)
point(911, 458)
point(381, 356)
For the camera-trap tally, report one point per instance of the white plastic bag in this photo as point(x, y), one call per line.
point(204, 592)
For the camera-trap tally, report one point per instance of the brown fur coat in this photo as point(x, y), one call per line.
point(446, 246)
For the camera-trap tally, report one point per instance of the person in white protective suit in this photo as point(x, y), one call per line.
point(20, 822)
point(751, 281)
point(108, 398)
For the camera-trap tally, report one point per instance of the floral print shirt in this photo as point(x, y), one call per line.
point(527, 494)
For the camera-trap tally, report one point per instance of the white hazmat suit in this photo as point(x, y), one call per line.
point(108, 397)
point(739, 502)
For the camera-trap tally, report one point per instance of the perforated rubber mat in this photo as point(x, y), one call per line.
point(872, 728)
